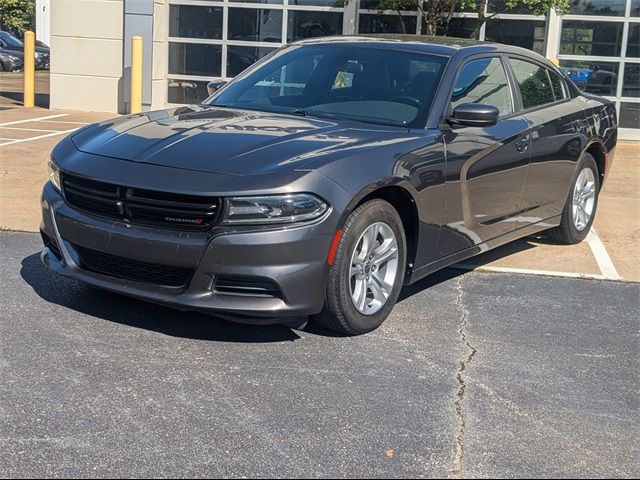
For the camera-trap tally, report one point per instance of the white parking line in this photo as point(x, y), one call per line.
point(28, 129)
point(526, 271)
point(16, 122)
point(38, 137)
point(603, 259)
point(64, 121)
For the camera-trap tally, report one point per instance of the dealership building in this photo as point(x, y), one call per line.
point(190, 42)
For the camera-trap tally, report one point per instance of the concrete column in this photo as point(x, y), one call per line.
point(350, 18)
point(86, 55)
point(552, 46)
point(43, 24)
point(138, 20)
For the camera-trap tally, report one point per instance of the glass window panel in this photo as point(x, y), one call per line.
point(522, 33)
point(462, 28)
point(302, 24)
point(591, 38)
point(633, 42)
point(195, 59)
point(597, 7)
point(558, 86)
point(258, 25)
point(290, 79)
point(258, 1)
point(534, 83)
point(635, 8)
point(241, 58)
point(500, 6)
point(631, 80)
point(483, 81)
point(195, 22)
point(375, 5)
point(320, 3)
point(593, 77)
point(186, 91)
point(629, 115)
point(387, 23)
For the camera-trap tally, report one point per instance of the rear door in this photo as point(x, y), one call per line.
point(558, 134)
point(486, 166)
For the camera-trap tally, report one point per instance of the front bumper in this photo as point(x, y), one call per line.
point(293, 258)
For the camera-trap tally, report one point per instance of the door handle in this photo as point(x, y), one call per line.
point(522, 144)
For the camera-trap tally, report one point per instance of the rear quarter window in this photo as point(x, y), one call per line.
point(534, 83)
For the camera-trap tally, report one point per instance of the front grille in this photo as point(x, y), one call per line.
point(146, 207)
point(248, 286)
point(51, 244)
point(128, 269)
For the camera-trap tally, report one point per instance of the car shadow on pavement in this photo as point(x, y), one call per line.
point(124, 310)
point(128, 311)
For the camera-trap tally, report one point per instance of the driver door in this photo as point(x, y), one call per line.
point(486, 167)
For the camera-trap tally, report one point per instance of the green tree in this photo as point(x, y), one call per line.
point(436, 14)
point(537, 7)
point(17, 16)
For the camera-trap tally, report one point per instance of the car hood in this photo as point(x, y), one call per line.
point(227, 141)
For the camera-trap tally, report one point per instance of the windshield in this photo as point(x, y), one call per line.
point(344, 81)
point(9, 39)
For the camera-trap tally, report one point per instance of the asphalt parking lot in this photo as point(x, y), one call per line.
point(526, 367)
point(493, 375)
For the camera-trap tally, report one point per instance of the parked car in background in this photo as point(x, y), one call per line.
point(324, 178)
point(13, 44)
point(10, 61)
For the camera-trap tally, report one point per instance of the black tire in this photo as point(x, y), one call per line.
point(339, 312)
point(567, 233)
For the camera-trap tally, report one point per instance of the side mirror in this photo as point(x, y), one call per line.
point(213, 87)
point(475, 115)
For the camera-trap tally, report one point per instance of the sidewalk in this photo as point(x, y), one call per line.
point(612, 251)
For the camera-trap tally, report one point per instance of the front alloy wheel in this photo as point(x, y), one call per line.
point(368, 270)
point(374, 268)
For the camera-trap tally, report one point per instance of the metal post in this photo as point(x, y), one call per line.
point(29, 69)
point(135, 105)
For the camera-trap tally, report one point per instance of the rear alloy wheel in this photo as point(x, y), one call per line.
point(368, 270)
point(580, 207)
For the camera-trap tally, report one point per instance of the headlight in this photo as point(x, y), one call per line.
point(54, 176)
point(272, 209)
point(5, 57)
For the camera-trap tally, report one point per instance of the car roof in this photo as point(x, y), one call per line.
point(437, 45)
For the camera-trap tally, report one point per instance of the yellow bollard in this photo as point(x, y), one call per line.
point(29, 69)
point(135, 105)
point(555, 61)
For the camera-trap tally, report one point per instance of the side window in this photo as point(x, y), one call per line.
point(483, 81)
point(534, 83)
point(558, 86)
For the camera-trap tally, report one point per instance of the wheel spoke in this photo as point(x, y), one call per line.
point(582, 215)
point(386, 252)
point(355, 270)
point(361, 299)
point(380, 286)
point(371, 236)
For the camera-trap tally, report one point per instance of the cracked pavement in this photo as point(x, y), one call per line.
point(481, 375)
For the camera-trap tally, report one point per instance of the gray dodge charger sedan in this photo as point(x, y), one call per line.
point(327, 176)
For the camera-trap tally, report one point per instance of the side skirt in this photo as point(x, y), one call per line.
point(432, 267)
